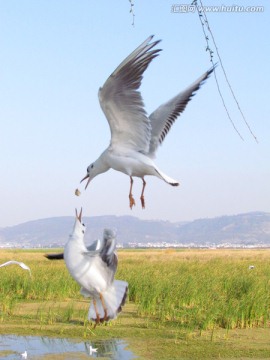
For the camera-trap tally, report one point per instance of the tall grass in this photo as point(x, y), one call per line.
point(50, 281)
point(192, 290)
point(200, 293)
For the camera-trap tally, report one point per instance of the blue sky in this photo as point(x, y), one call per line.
point(54, 57)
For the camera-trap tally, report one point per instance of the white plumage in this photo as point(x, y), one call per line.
point(92, 350)
point(135, 137)
point(94, 270)
point(21, 264)
point(24, 355)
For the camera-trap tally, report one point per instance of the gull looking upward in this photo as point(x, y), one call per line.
point(94, 270)
point(135, 137)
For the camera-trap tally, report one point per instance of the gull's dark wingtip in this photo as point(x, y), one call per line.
point(212, 68)
point(155, 42)
point(54, 256)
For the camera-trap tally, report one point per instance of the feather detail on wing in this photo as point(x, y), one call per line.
point(122, 103)
point(107, 252)
point(165, 115)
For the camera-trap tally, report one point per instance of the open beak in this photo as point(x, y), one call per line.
point(79, 217)
point(86, 177)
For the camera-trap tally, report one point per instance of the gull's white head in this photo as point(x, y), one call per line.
point(79, 227)
point(98, 167)
point(91, 172)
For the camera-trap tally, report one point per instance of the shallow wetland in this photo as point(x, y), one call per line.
point(183, 304)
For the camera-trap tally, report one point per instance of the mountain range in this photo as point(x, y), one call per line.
point(249, 229)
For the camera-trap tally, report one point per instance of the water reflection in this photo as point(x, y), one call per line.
point(12, 346)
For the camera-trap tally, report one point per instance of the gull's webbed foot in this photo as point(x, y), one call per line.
point(131, 201)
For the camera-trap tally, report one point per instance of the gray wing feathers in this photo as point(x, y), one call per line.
point(106, 250)
point(133, 54)
point(107, 253)
point(94, 246)
point(165, 115)
point(122, 103)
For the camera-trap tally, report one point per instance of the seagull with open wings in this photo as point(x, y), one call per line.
point(94, 271)
point(135, 137)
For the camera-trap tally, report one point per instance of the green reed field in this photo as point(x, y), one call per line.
point(173, 292)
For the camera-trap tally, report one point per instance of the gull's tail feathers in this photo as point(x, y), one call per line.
point(166, 178)
point(114, 298)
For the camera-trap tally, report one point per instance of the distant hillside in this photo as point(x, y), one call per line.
point(246, 229)
point(243, 229)
point(55, 231)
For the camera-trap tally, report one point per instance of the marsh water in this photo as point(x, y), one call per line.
point(12, 346)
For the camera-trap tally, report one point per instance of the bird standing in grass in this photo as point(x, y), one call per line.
point(94, 271)
point(135, 137)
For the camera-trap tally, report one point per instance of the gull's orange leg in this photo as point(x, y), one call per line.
point(98, 317)
point(104, 307)
point(142, 196)
point(131, 199)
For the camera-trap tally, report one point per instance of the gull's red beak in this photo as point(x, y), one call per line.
point(86, 177)
point(79, 217)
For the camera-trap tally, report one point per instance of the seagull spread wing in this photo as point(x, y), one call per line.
point(94, 246)
point(13, 262)
point(107, 252)
point(122, 103)
point(165, 115)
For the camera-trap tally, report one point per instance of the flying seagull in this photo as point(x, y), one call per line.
point(135, 137)
point(94, 270)
point(21, 264)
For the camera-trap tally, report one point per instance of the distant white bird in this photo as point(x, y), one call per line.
point(251, 267)
point(94, 270)
point(135, 137)
point(92, 350)
point(24, 355)
point(21, 264)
